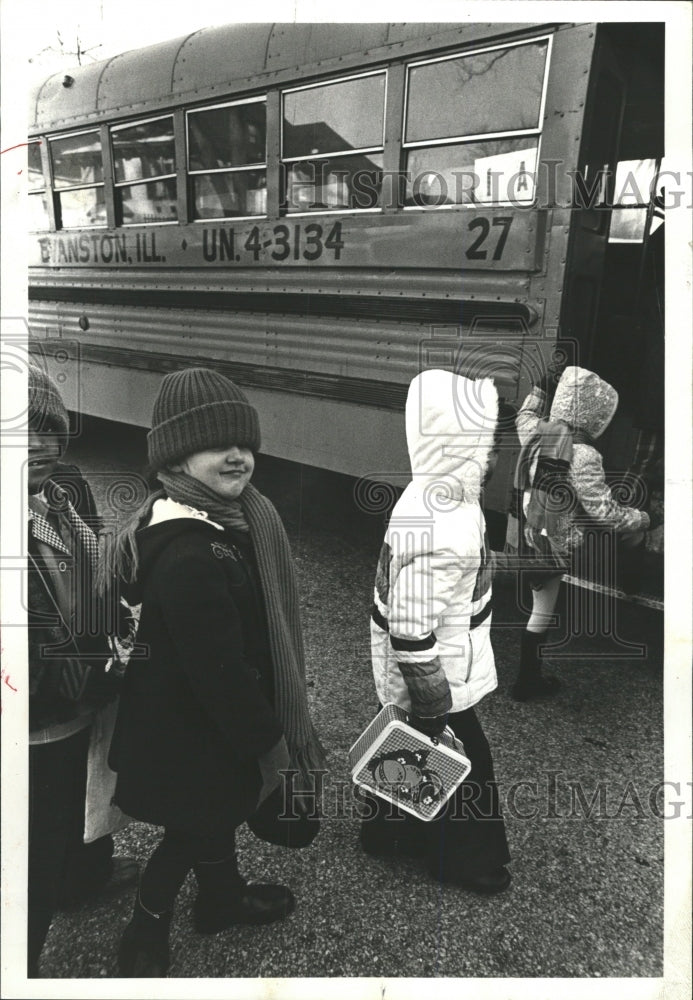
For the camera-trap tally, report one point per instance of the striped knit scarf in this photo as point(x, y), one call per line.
point(253, 512)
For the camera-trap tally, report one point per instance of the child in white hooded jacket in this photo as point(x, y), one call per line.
point(430, 625)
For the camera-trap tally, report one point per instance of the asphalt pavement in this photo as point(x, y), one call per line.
point(578, 778)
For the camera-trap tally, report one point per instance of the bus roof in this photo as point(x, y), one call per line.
point(233, 58)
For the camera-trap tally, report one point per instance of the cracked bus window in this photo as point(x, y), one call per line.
point(472, 126)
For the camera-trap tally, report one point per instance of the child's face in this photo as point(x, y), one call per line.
point(225, 470)
point(44, 455)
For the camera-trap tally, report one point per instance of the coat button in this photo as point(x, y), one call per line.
point(62, 566)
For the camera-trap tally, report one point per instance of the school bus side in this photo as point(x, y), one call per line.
point(302, 266)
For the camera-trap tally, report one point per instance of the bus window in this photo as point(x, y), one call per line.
point(144, 165)
point(472, 126)
point(332, 143)
point(78, 180)
point(226, 145)
point(632, 192)
point(38, 198)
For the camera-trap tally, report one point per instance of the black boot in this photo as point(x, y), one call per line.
point(226, 899)
point(530, 682)
point(254, 904)
point(143, 951)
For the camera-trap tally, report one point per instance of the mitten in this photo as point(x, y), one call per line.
point(430, 727)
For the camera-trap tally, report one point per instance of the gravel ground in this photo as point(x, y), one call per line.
point(587, 892)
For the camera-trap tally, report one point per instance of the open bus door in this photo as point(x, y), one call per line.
point(613, 307)
point(592, 190)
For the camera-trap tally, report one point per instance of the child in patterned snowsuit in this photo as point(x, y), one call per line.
point(551, 529)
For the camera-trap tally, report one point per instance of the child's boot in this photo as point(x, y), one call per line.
point(143, 952)
point(225, 899)
point(530, 682)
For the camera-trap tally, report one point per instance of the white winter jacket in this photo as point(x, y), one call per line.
point(430, 642)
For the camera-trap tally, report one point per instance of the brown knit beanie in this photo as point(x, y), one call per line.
point(197, 409)
point(47, 413)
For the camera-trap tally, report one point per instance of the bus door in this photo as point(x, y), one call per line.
point(592, 189)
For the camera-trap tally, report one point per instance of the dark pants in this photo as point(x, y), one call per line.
point(467, 838)
point(88, 868)
point(57, 786)
point(212, 859)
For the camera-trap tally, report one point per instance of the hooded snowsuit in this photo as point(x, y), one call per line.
point(586, 404)
point(430, 626)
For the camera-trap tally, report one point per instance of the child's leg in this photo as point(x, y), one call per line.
point(143, 949)
point(166, 870)
point(225, 898)
point(467, 844)
point(530, 683)
point(387, 831)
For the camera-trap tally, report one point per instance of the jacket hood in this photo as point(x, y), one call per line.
point(166, 521)
point(585, 401)
point(450, 422)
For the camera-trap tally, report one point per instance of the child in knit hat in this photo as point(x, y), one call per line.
point(67, 678)
point(218, 708)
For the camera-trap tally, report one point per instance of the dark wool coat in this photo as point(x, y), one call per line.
point(196, 711)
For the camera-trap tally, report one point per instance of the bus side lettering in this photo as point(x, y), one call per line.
point(475, 252)
point(307, 242)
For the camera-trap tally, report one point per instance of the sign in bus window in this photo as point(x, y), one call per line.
point(232, 136)
point(499, 90)
point(334, 118)
point(495, 171)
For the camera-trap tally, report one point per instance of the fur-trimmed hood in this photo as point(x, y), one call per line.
point(450, 422)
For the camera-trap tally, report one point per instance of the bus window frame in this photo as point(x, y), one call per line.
point(57, 191)
point(538, 131)
point(45, 190)
point(646, 207)
point(121, 127)
point(247, 168)
point(286, 162)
